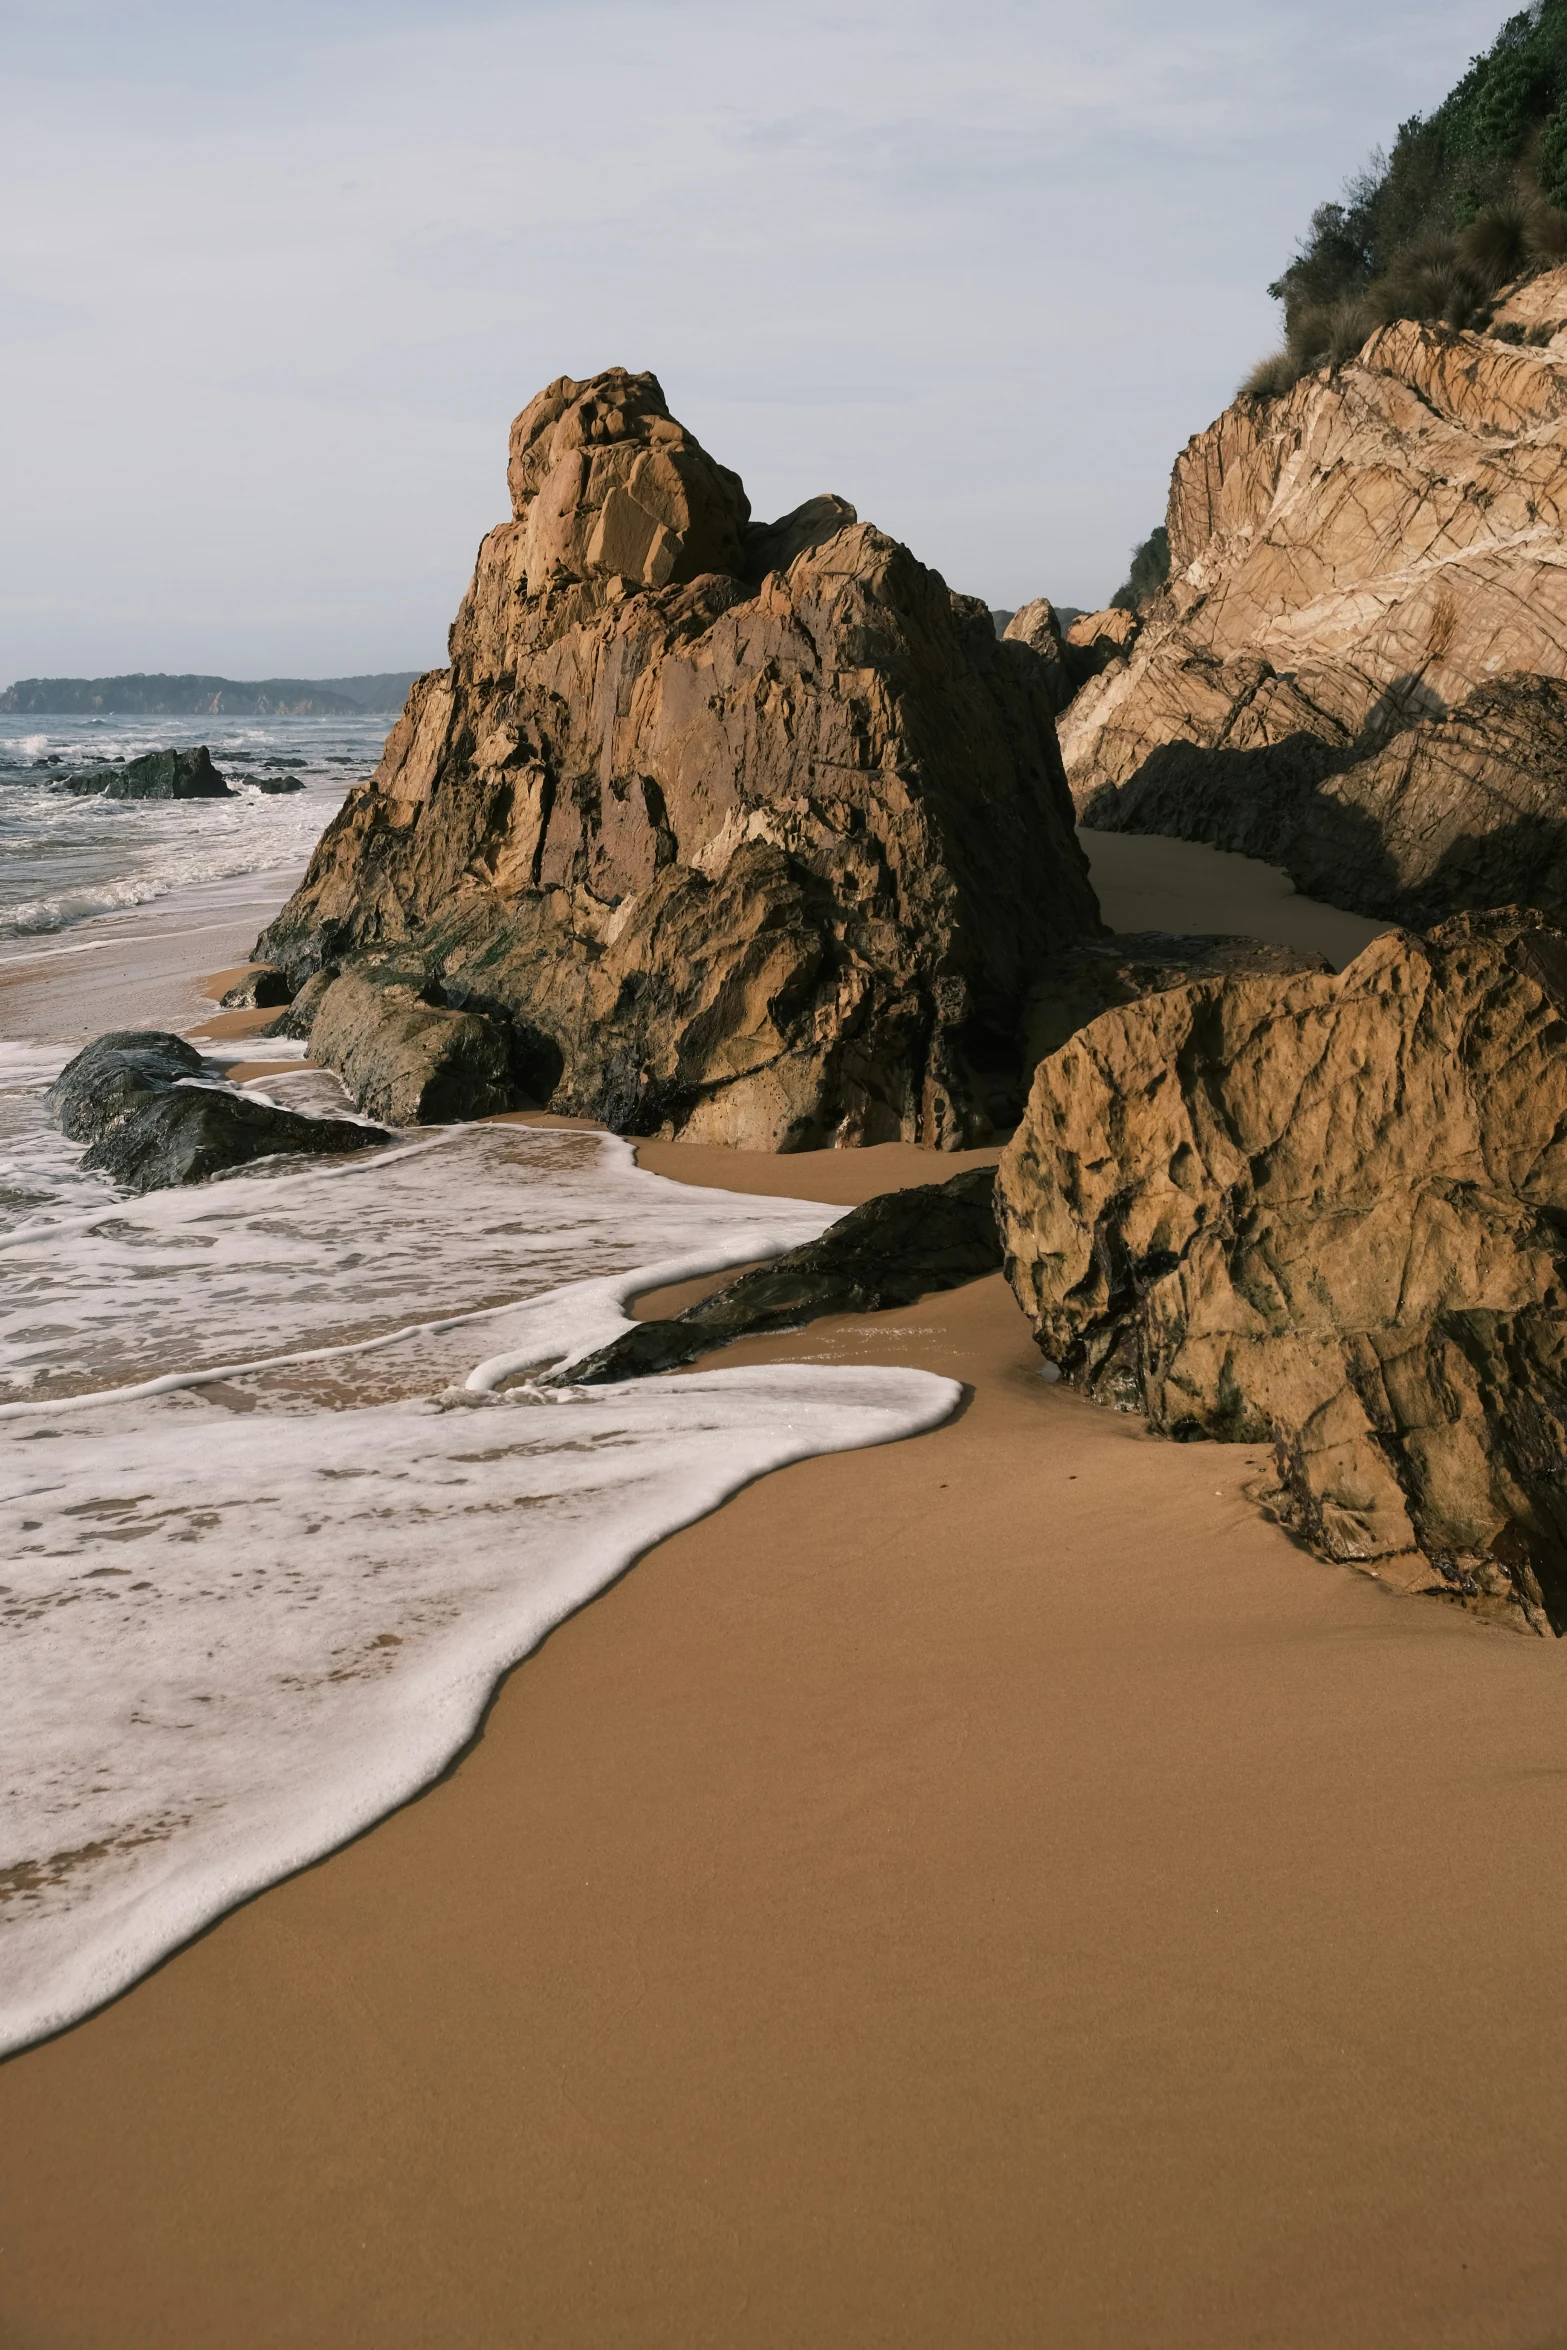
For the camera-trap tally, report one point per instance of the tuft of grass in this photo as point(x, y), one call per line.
point(1272, 377)
point(1495, 245)
point(1547, 232)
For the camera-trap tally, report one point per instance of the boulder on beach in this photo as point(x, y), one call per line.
point(895, 1248)
point(156, 775)
point(750, 833)
point(1328, 1214)
point(153, 1113)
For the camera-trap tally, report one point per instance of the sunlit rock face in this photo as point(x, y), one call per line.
point(1368, 586)
point(749, 833)
point(1327, 1214)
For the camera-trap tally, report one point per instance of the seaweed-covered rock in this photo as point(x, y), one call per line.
point(157, 775)
point(898, 1247)
point(152, 1115)
point(1330, 1214)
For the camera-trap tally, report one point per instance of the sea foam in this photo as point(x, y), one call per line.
point(274, 1526)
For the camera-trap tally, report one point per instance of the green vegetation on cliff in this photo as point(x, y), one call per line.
point(1469, 196)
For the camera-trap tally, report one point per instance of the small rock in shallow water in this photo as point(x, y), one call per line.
point(151, 1116)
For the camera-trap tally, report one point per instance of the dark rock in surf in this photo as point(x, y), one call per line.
point(158, 775)
point(898, 1247)
point(263, 986)
point(153, 1114)
point(276, 783)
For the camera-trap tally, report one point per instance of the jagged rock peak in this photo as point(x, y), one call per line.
point(611, 486)
point(752, 833)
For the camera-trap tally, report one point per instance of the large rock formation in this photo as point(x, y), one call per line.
point(1368, 583)
point(1330, 1214)
point(749, 833)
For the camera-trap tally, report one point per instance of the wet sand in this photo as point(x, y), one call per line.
point(994, 1890)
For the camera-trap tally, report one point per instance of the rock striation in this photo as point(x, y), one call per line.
point(152, 1114)
point(1329, 1214)
point(750, 833)
point(1356, 669)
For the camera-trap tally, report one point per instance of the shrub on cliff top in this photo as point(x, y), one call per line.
point(1469, 197)
point(1150, 569)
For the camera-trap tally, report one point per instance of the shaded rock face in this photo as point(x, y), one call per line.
point(129, 1097)
point(1329, 1214)
point(1083, 981)
point(1037, 627)
point(157, 775)
point(1366, 586)
point(262, 986)
point(754, 834)
point(1463, 811)
point(891, 1250)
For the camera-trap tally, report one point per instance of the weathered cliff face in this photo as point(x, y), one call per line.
point(1366, 576)
point(749, 833)
point(1330, 1214)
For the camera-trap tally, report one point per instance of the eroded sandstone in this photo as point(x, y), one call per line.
point(1366, 574)
point(1328, 1214)
point(753, 834)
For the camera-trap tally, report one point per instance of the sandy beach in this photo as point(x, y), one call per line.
point(994, 1889)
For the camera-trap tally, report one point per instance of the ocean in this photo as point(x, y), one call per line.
point(283, 1497)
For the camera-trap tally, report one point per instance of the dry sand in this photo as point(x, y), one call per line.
point(994, 1890)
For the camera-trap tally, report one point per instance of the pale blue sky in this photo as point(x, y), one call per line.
point(275, 277)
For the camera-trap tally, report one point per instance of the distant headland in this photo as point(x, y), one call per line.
point(178, 697)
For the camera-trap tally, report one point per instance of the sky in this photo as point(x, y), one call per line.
point(274, 279)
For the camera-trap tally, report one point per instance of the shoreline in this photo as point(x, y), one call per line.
point(991, 1888)
point(908, 1907)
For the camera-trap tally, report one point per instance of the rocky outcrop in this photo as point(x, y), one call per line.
point(157, 775)
point(1096, 641)
point(1330, 1214)
point(1037, 627)
point(891, 1250)
point(1367, 582)
point(1464, 810)
point(153, 1113)
point(753, 834)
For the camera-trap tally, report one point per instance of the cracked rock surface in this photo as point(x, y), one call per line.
point(1328, 1214)
point(1368, 587)
point(752, 834)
